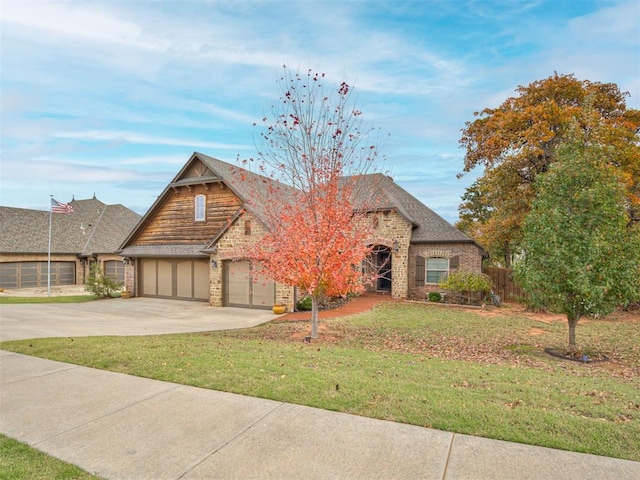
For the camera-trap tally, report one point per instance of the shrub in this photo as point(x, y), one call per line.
point(99, 284)
point(466, 284)
point(434, 297)
point(304, 305)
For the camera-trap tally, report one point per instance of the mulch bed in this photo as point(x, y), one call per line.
point(576, 356)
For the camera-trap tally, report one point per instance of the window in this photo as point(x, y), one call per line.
point(247, 227)
point(200, 208)
point(437, 269)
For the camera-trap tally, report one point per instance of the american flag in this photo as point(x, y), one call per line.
point(59, 207)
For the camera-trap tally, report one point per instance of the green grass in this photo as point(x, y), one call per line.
point(54, 299)
point(21, 462)
point(445, 368)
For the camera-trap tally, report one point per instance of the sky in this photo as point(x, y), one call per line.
point(112, 97)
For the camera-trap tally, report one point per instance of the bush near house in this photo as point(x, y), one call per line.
point(435, 297)
point(466, 287)
point(304, 305)
point(99, 284)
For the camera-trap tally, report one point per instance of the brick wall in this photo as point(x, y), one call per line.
point(469, 254)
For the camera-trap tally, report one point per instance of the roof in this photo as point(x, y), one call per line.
point(373, 192)
point(252, 189)
point(382, 193)
point(376, 192)
point(92, 228)
point(164, 251)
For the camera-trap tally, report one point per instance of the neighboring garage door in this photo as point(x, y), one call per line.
point(34, 274)
point(179, 278)
point(241, 291)
point(114, 270)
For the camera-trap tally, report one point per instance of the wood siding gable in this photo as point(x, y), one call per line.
point(172, 220)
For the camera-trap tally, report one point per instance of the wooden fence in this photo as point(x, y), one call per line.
point(504, 285)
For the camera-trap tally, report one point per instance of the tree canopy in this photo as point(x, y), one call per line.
point(516, 142)
point(580, 256)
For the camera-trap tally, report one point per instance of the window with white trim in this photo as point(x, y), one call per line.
point(437, 269)
point(200, 208)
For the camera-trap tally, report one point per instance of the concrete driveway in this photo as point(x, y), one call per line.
point(135, 316)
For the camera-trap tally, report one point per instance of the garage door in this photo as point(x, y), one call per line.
point(182, 279)
point(114, 269)
point(34, 274)
point(240, 290)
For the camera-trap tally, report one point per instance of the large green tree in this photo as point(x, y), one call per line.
point(516, 142)
point(580, 255)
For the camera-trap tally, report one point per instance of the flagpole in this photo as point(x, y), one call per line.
point(49, 252)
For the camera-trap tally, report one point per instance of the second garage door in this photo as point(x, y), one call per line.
point(36, 274)
point(179, 278)
point(240, 290)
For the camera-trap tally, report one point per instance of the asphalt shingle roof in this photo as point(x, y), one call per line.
point(164, 251)
point(374, 192)
point(382, 193)
point(92, 228)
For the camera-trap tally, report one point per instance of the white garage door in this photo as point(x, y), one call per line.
point(179, 278)
point(240, 290)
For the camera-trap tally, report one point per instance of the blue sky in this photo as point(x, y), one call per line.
point(112, 97)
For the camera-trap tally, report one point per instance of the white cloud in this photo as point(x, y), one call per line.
point(105, 83)
point(79, 22)
point(132, 137)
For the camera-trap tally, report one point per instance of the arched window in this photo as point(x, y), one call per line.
point(200, 208)
point(437, 269)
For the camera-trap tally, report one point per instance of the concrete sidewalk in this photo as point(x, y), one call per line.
point(123, 427)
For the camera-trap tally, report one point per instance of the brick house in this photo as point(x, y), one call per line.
point(189, 244)
point(92, 233)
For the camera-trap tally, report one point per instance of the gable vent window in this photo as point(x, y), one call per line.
point(437, 269)
point(200, 208)
point(247, 227)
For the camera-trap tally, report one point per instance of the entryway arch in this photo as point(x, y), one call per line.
point(380, 263)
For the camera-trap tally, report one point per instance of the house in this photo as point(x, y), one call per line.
point(92, 233)
point(189, 244)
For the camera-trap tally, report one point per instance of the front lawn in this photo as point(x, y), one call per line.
point(21, 462)
point(54, 299)
point(478, 372)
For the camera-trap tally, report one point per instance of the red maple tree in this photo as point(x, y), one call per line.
point(315, 150)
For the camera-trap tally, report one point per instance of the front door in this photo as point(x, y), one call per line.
point(383, 266)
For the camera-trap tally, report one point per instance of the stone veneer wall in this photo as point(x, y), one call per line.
point(470, 259)
point(392, 227)
point(130, 283)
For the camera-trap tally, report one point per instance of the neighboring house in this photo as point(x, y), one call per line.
point(92, 233)
point(189, 244)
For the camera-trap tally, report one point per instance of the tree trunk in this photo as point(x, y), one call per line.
point(314, 316)
point(573, 321)
point(507, 255)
